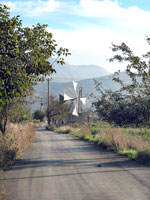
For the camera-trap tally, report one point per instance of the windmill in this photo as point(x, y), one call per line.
point(77, 99)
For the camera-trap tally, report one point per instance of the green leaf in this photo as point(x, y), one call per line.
point(9, 73)
point(17, 50)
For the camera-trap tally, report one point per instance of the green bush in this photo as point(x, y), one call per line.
point(130, 153)
point(144, 157)
point(39, 115)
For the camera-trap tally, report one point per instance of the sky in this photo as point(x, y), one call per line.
point(89, 27)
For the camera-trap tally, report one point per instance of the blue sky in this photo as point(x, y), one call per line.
point(88, 27)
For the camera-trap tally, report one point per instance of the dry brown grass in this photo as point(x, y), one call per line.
point(85, 131)
point(135, 143)
point(117, 138)
point(111, 138)
point(18, 138)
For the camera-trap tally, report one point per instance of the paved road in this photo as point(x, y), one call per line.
point(62, 167)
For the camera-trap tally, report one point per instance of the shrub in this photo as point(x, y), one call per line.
point(39, 115)
point(144, 157)
point(18, 138)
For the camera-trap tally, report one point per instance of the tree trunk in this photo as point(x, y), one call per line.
point(49, 118)
point(3, 124)
point(3, 120)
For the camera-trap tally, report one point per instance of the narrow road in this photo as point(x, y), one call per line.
point(62, 167)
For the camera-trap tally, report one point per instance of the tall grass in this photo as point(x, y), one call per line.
point(18, 138)
point(133, 142)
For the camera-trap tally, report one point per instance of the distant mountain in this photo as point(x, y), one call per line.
point(87, 85)
point(66, 73)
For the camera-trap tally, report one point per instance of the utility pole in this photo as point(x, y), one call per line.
point(48, 109)
point(41, 104)
point(80, 105)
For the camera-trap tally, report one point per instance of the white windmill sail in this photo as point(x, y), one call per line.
point(75, 111)
point(75, 99)
point(66, 97)
point(83, 100)
point(75, 85)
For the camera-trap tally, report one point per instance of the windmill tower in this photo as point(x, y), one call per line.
point(77, 100)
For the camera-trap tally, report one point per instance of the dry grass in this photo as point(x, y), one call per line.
point(18, 138)
point(116, 139)
point(85, 131)
point(113, 137)
point(67, 129)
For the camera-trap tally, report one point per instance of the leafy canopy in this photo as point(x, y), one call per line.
point(130, 105)
point(24, 54)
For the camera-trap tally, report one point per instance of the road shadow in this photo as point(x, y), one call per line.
point(80, 163)
point(103, 167)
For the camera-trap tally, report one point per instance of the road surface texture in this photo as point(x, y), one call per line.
point(62, 167)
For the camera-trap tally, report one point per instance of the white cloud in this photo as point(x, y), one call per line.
point(130, 18)
point(103, 22)
point(46, 6)
point(10, 4)
point(92, 46)
point(95, 8)
point(33, 8)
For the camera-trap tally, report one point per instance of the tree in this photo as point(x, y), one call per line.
point(56, 111)
point(19, 112)
point(39, 115)
point(24, 54)
point(138, 68)
point(131, 104)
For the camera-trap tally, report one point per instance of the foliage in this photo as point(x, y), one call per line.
point(24, 54)
point(131, 104)
point(130, 153)
point(56, 111)
point(123, 110)
point(19, 112)
point(39, 115)
point(144, 157)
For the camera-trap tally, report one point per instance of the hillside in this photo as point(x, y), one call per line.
point(67, 73)
point(88, 86)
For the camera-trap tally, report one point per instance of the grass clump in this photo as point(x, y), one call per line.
point(68, 130)
point(138, 132)
point(18, 138)
point(63, 129)
point(130, 153)
point(132, 142)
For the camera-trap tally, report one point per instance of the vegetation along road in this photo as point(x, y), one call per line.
point(62, 167)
